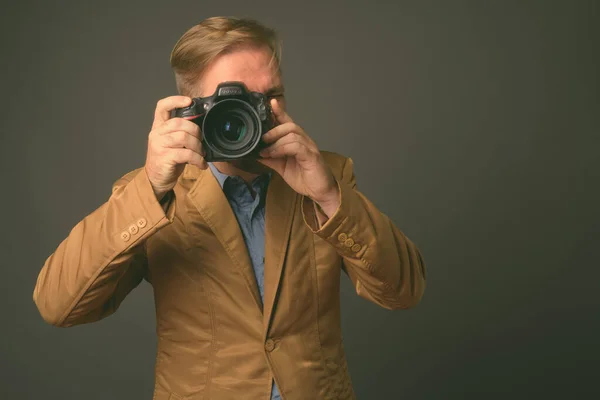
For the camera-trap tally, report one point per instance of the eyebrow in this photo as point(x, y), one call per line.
point(275, 91)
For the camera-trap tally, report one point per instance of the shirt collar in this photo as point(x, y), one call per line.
point(221, 177)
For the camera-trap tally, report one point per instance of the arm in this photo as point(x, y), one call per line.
point(103, 258)
point(385, 267)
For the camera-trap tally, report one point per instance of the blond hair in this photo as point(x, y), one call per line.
point(215, 36)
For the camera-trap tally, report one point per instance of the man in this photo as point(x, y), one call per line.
point(244, 257)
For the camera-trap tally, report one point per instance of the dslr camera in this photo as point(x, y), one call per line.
point(232, 121)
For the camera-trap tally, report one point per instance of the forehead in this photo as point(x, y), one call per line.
point(248, 65)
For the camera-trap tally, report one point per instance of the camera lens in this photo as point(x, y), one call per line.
point(232, 128)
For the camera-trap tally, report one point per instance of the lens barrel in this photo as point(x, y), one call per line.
point(232, 128)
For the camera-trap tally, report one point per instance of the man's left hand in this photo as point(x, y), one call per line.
point(295, 156)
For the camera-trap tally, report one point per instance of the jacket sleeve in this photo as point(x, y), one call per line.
point(384, 265)
point(103, 258)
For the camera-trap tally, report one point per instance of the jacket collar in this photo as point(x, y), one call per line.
point(207, 196)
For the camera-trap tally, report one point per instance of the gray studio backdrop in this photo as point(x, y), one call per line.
point(472, 124)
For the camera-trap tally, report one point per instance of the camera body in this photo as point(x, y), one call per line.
point(232, 121)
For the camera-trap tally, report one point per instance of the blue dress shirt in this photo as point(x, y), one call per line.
point(250, 214)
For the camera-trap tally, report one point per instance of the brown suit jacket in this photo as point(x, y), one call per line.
point(216, 340)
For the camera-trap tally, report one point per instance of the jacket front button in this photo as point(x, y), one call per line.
point(269, 345)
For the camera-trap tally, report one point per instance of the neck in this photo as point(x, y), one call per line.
point(229, 169)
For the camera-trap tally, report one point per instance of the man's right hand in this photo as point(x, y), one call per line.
point(172, 143)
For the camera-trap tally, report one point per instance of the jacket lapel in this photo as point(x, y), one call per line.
point(208, 197)
point(279, 212)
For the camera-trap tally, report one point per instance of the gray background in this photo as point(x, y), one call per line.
point(472, 124)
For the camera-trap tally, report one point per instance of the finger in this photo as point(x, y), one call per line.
point(162, 113)
point(180, 139)
point(179, 124)
point(187, 156)
point(292, 137)
point(280, 131)
point(294, 149)
point(280, 115)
